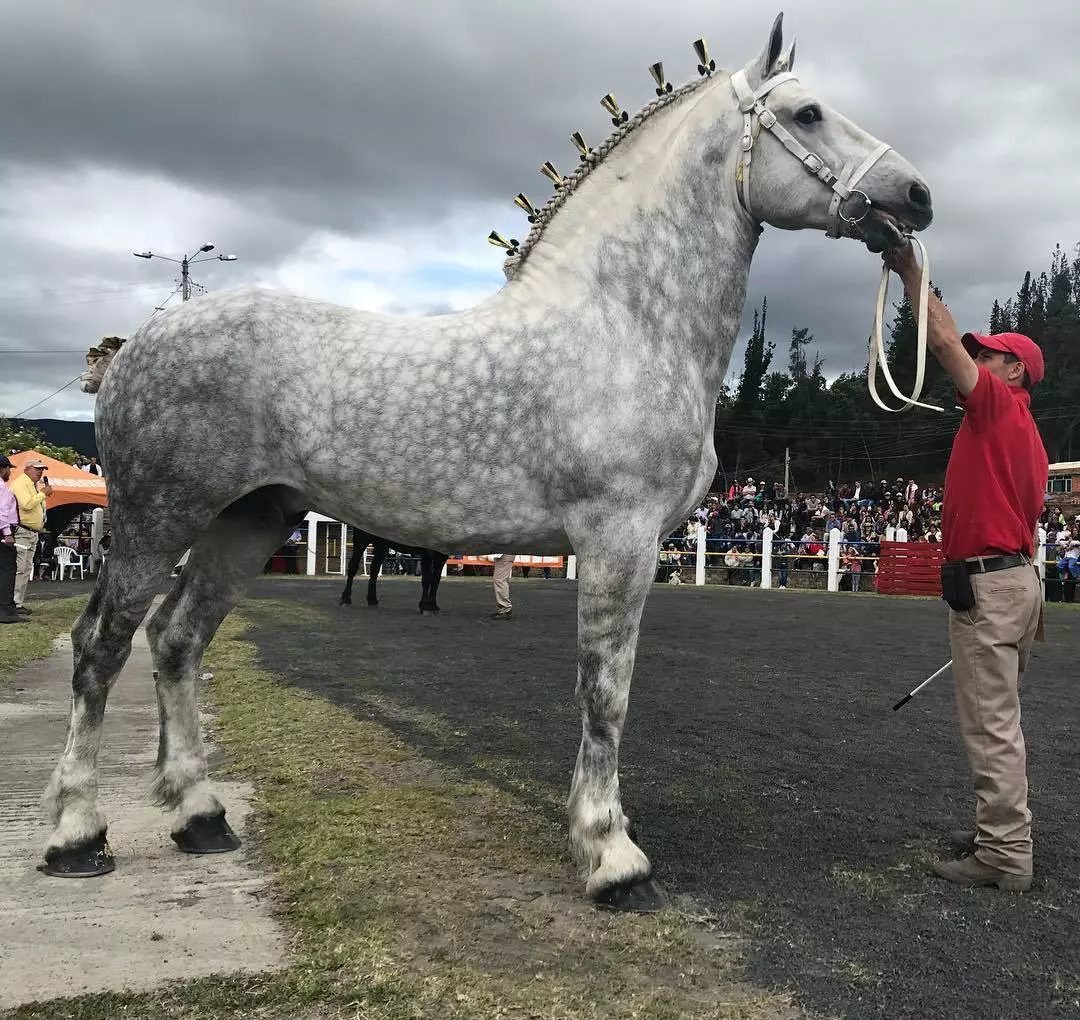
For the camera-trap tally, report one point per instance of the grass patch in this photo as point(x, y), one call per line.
point(23, 642)
point(411, 891)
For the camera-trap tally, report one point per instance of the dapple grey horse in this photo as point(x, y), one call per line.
point(572, 410)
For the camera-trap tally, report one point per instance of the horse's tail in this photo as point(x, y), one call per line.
point(98, 360)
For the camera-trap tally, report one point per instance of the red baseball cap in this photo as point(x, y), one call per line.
point(1017, 344)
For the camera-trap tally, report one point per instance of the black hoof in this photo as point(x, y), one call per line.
point(345, 601)
point(207, 834)
point(373, 603)
point(428, 611)
point(84, 860)
point(641, 897)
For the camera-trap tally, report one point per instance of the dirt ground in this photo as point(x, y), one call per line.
point(768, 778)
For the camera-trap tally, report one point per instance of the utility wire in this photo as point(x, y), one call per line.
point(4, 353)
point(40, 304)
point(43, 399)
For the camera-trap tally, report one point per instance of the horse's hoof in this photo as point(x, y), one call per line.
point(373, 605)
point(84, 860)
point(345, 601)
point(644, 896)
point(206, 834)
point(425, 611)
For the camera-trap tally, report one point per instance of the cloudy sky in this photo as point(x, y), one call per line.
point(361, 151)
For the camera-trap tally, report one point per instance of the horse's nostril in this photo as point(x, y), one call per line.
point(919, 196)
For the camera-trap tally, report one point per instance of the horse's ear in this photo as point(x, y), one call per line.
point(788, 59)
point(765, 66)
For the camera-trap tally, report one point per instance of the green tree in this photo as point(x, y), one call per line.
point(901, 351)
point(20, 438)
point(800, 340)
point(756, 362)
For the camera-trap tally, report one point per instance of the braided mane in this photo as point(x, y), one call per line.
point(547, 212)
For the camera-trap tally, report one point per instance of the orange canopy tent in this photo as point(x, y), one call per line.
point(70, 485)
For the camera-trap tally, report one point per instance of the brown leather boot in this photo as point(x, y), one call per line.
point(971, 872)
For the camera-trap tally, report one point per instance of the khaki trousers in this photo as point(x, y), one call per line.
point(504, 567)
point(991, 645)
point(25, 547)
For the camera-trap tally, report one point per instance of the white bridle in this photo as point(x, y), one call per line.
point(756, 115)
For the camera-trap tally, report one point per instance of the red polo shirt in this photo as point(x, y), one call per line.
point(996, 479)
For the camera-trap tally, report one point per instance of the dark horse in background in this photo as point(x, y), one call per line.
point(431, 566)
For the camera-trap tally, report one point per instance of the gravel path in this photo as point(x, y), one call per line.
point(162, 915)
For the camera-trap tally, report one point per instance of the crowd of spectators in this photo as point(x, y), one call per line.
point(863, 512)
point(1062, 549)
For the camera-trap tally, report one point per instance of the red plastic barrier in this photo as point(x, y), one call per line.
point(909, 568)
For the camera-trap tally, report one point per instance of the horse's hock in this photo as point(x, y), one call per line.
point(164, 915)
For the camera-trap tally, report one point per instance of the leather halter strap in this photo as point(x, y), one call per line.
point(756, 115)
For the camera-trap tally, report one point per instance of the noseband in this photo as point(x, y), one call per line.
point(756, 115)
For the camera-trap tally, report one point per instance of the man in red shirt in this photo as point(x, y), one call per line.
point(994, 489)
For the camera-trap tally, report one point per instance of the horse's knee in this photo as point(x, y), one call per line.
point(171, 652)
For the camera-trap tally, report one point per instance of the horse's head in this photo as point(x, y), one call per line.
point(803, 165)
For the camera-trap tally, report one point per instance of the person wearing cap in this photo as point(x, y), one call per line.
point(994, 488)
point(9, 521)
point(30, 493)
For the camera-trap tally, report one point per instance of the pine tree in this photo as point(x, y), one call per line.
point(997, 319)
point(1037, 319)
point(800, 340)
point(756, 364)
point(902, 348)
point(1024, 298)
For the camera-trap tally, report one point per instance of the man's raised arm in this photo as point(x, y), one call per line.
point(942, 336)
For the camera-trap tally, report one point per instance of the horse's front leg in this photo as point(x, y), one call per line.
point(426, 600)
point(616, 573)
point(438, 561)
point(356, 561)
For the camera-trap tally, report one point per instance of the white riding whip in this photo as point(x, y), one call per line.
point(877, 343)
point(911, 694)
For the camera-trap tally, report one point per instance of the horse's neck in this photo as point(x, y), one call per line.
point(654, 244)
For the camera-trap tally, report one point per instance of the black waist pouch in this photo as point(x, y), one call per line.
point(956, 585)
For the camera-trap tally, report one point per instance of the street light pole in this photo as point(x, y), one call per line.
point(185, 265)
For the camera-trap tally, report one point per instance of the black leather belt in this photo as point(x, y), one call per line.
point(988, 564)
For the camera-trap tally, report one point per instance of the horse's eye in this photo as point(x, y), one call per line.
point(809, 115)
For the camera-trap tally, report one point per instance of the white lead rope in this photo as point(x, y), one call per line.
point(877, 343)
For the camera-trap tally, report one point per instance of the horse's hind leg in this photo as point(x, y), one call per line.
point(431, 567)
point(101, 643)
point(222, 562)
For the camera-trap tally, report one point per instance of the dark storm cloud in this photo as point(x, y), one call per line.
point(272, 122)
